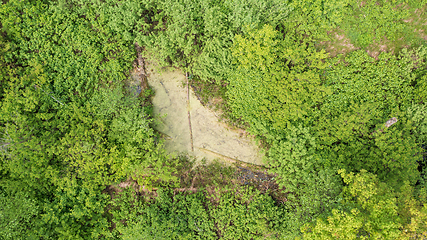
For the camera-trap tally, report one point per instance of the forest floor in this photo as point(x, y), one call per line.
point(340, 43)
point(216, 174)
point(213, 176)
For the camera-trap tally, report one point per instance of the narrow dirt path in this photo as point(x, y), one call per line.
point(193, 128)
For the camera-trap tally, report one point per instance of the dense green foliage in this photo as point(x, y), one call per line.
point(18, 213)
point(71, 130)
point(366, 94)
point(227, 214)
point(371, 209)
point(277, 83)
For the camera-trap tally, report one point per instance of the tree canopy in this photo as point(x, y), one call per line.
point(334, 91)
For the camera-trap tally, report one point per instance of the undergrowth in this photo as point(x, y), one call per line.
point(211, 201)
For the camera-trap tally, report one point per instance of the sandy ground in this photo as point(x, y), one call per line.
point(211, 139)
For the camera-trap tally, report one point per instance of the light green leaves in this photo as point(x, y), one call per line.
point(257, 50)
point(275, 84)
point(369, 212)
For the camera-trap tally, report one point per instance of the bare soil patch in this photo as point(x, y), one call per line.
point(204, 135)
point(339, 43)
